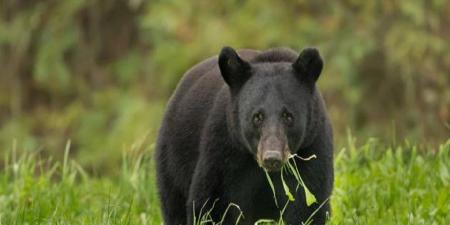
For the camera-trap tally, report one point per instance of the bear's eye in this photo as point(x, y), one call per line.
point(287, 117)
point(258, 118)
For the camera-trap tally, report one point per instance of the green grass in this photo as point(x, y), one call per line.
point(375, 184)
point(395, 185)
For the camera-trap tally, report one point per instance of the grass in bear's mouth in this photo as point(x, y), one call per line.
point(290, 167)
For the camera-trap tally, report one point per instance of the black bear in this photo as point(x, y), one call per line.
point(233, 121)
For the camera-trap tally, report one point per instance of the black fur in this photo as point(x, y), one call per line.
point(207, 143)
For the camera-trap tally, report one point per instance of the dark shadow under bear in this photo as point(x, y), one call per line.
point(230, 117)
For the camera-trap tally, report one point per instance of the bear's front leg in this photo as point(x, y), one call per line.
point(205, 192)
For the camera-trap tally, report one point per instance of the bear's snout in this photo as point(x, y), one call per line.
point(272, 160)
point(272, 152)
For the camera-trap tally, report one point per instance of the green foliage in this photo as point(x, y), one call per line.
point(80, 69)
point(374, 184)
point(42, 191)
point(397, 185)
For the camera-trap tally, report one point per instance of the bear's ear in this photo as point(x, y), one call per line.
point(308, 65)
point(235, 71)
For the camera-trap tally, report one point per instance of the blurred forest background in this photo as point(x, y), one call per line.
point(100, 72)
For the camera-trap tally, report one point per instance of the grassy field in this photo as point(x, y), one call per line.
point(376, 183)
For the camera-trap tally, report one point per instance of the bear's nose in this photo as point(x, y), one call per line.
point(272, 160)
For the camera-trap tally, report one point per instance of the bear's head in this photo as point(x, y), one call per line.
point(271, 102)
